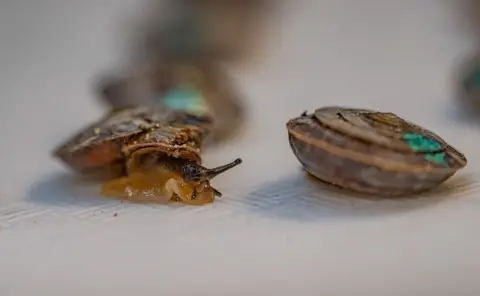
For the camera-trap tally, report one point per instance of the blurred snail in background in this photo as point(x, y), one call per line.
point(180, 84)
point(218, 30)
point(186, 49)
point(163, 111)
point(469, 85)
point(468, 74)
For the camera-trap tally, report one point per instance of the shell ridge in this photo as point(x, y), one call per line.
point(376, 161)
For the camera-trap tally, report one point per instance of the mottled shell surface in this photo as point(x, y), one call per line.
point(103, 147)
point(371, 152)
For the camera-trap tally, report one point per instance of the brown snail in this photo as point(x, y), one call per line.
point(151, 154)
point(371, 152)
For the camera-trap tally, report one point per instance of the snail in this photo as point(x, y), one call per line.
point(148, 154)
point(371, 152)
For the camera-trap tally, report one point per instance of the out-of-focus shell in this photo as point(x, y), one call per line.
point(152, 85)
point(371, 152)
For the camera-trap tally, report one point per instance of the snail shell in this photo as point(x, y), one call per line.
point(371, 152)
point(104, 148)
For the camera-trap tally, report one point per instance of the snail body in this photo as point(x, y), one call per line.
point(147, 154)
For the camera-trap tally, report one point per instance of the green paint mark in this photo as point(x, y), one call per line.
point(420, 143)
point(437, 158)
point(185, 98)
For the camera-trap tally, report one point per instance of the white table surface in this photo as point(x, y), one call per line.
point(273, 233)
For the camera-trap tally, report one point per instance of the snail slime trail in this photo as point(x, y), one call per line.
point(171, 179)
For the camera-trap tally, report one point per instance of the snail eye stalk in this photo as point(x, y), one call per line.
point(198, 173)
point(216, 192)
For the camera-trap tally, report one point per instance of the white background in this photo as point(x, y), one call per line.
point(274, 232)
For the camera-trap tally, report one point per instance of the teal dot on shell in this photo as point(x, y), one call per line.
point(420, 143)
point(185, 98)
point(437, 158)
